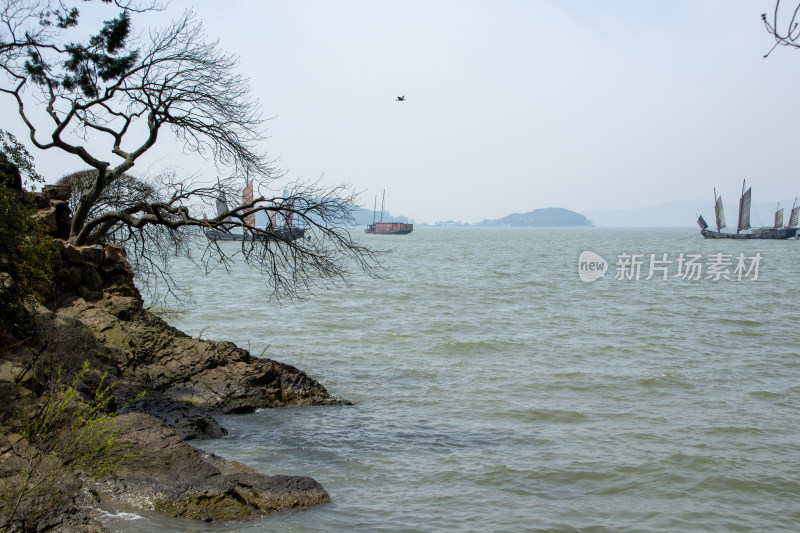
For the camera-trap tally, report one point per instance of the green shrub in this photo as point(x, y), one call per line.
point(71, 441)
point(11, 150)
point(25, 247)
point(26, 268)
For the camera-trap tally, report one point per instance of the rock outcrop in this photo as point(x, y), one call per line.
point(97, 315)
point(145, 351)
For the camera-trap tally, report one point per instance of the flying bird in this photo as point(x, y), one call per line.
point(401, 98)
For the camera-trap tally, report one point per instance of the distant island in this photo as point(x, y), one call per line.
point(549, 217)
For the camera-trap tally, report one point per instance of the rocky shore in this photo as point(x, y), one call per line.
point(97, 315)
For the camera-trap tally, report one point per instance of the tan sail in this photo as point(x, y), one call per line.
point(744, 211)
point(779, 218)
point(719, 211)
point(793, 218)
point(247, 198)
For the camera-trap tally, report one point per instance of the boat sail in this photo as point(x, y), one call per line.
point(779, 217)
point(744, 209)
point(222, 205)
point(285, 232)
point(745, 202)
point(719, 211)
point(247, 198)
point(793, 218)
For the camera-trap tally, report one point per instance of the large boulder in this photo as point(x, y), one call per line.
point(188, 421)
point(216, 376)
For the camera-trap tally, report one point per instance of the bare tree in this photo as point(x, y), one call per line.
point(125, 91)
point(783, 25)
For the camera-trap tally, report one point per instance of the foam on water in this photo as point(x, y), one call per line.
point(496, 391)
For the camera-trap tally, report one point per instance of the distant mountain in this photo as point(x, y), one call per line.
point(682, 214)
point(548, 217)
point(365, 217)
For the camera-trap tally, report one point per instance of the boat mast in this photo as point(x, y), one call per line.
point(739, 225)
point(383, 203)
point(716, 216)
point(375, 210)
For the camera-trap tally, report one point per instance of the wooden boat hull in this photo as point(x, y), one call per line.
point(279, 234)
point(389, 228)
point(764, 233)
point(391, 232)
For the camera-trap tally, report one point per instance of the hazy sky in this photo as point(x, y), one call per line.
point(512, 105)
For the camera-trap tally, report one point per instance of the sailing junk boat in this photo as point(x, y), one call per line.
point(285, 232)
point(387, 228)
point(769, 232)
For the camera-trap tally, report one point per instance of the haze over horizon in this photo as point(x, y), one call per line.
point(510, 106)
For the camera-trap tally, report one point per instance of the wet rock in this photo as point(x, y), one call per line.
point(186, 420)
point(169, 476)
point(244, 497)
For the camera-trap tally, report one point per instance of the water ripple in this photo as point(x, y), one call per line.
point(494, 391)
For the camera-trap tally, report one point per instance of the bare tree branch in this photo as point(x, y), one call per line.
point(784, 27)
point(176, 213)
point(171, 79)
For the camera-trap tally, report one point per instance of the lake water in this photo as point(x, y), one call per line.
point(494, 390)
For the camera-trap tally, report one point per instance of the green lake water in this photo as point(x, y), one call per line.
point(494, 391)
